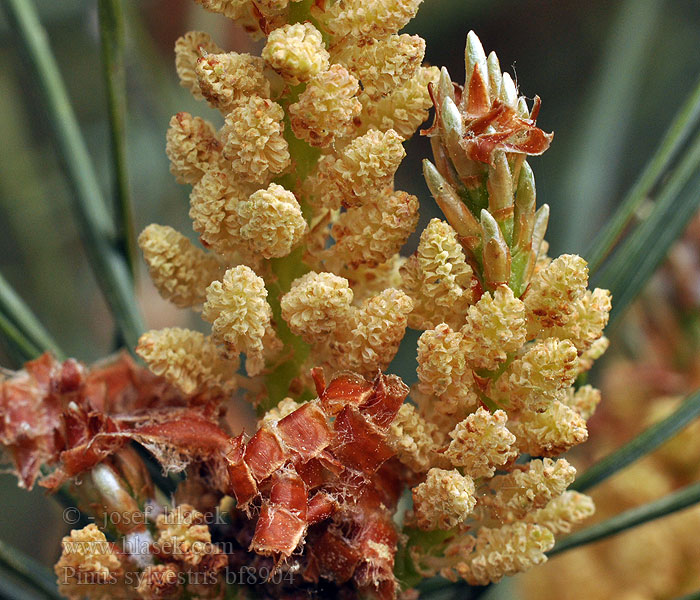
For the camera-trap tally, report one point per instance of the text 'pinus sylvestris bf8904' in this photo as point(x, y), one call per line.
point(300, 274)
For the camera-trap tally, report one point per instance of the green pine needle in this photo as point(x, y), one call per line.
point(613, 95)
point(677, 134)
point(94, 221)
point(642, 252)
point(18, 321)
point(643, 444)
point(112, 44)
point(22, 349)
point(637, 516)
point(29, 570)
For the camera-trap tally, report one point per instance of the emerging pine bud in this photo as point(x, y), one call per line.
point(307, 182)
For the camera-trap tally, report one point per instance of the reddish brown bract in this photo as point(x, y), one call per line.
point(305, 471)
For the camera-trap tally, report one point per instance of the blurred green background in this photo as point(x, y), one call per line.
point(610, 74)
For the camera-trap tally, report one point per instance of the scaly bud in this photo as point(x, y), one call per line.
point(445, 86)
point(500, 187)
point(476, 90)
point(509, 93)
point(115, 499)
point(496, 254)
point(458, 215)
point(452, 133)
point(524, 215)
point(495, 76)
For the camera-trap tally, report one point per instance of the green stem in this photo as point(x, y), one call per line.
point(676, 135)
point(643, 444)
point(95, 224)
point(642, 514)
point(16, 311)
point(29, 570)
point(295, 350)
point(113, 66)
point(288, 268)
